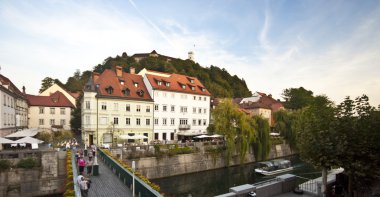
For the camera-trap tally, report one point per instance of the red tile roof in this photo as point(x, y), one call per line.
point(57, 99)
point(177, 82)
point(109, 79)
point(5, 81)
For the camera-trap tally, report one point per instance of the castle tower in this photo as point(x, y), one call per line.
point(191, 56)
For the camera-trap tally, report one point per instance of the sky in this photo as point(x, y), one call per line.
point(328, 47)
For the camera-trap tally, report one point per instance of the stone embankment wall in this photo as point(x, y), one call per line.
point(153, 167)
point(44, 180)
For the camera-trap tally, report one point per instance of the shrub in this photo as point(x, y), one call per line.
point(27, 163)
point(69, 192)
point(4, 165)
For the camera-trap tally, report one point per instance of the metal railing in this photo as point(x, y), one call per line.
point(75, 175)
point(308, 185)
point(141, 188)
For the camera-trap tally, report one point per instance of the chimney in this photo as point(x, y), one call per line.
point(119, 71)
point(132, 70)
point(95, 76)
point(23, 89)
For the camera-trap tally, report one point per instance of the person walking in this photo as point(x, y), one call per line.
point(83, 184)
point(89, 166)
point(81, 164)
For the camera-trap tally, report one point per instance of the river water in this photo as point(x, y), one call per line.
point(218, 181)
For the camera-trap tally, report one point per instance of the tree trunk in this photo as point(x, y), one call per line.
point(324, 181)
point(350, 179)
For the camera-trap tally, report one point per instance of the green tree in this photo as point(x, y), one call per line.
point(262, 144)
point(316, 139)
point(76, 119)
point(358, 126)
point(285, 123)
point(297, 98)
point(237, 128)
point(46, 83)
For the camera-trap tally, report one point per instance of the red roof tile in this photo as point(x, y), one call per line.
point(109, 79)
point(5, 81)
point(57, 99)
point(192, 84)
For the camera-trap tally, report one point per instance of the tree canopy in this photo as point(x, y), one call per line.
point(297, 98)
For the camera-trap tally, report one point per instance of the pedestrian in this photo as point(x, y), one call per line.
point(89, 166)
point(81, 164)
point(90, 155)
point(83, 184)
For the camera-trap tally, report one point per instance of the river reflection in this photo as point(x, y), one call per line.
point(216, 182)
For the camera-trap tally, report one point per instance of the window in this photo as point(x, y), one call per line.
point(109, 90)
point(194, 98)
point(147, 121)
point(164, 108)
point(138, 108)
point(127, 107)
point(204, 122)
point(63, 122)
point(138, 121)
point(87, 104)
point(116, 120)
point(41, 121)
point(183, 87)
point(204, 98)
point(204, 110)
point(194, 122)
point(172, 121)
point(52, 122)
point(171, 136)
point(5, 100)
point(62, 111)
point(156, 107)
point(199, 122)
point(164, 136)
point(200, 98)
point(164, 121)
point(183, 121)
point(172, 108)
point(128, 121)
point(159, 83)
point(126, 92)
point(192, 88)
point(104, 106)
point(156, 121)
point(194, 110)
point(156, 136)
point(116, 106)
point(147, 108)
point(167, 84)
point(52, 110)
point(184, 109)
point(41, 110)
point(200, 110)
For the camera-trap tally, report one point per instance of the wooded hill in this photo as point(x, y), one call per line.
point(218, 81)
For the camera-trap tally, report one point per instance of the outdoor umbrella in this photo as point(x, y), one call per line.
point(6, 141)
point(201, 136)
point(28, 140)
point(216, 135)
point(24, 133)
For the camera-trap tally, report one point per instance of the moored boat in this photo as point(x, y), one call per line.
point(273, 167)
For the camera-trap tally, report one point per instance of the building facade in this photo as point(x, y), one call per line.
point(13, 107)
point(116, 104)
point(51, 112)
point(181, 105)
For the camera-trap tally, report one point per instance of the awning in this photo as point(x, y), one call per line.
point(24, 133)
point(216, 136)
point(6, 141)
point(189, 133)
point(133, 137)
point(28, 140)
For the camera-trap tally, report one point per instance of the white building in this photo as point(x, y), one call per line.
point(13, 107)
point(50, 112)
point(181, 105)
point(116, 103)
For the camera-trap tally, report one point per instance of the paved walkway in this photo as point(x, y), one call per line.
point(107, 183)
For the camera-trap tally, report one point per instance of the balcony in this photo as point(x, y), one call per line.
point(184, 127)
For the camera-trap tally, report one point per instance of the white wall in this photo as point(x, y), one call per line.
point(35, 116)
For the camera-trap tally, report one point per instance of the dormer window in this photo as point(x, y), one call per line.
point(140, 93)
point(183, 87)
point(193, 88)
point(159, 83)
point(167, 84)
point(122, 82)
point(191, 80)
point(126, 92)
point(109, 89)
point(135, 84)
point(203, 89)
